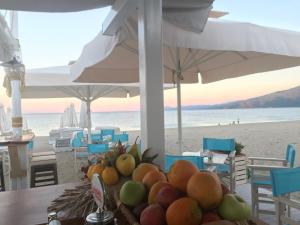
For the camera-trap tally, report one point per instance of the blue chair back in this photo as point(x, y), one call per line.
point(285, 181)
point(96, 138)
point(30, 146)
point(79, 134)
point(76, 142)
point(171, 159)
point(97, 148)
point(107, 132)
point(290, 155)
point(121, 137)
point(216, 144)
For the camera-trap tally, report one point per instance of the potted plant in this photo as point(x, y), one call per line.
point(238, 148)
point(240, 164)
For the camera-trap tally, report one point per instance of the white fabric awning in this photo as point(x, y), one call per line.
point(223, 50)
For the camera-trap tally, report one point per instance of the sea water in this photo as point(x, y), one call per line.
point(41, 124)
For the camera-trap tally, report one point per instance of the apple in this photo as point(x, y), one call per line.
point(234, 208)
point(125, 164)
point(132, 193)
point(210, 217)
point(153, 215)
point(167, 195)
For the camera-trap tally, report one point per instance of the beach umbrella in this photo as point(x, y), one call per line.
point(72, 116)
point(8, 115)
point(223, 50)
point(69, 117)
point(56, 82)
point(83, 121)
point(4, 123)
point(188, 14)
point(8, 44)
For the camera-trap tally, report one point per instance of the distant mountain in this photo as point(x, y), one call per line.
point(286, 98)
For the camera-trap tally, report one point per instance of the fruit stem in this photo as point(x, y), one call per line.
point(136, 139)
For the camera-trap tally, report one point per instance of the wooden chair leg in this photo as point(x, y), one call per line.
point(254, 199)
point(32, 177)
point(2, 176)
point(55, 174)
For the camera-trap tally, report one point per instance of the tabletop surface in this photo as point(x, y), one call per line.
point(217, 158)
point(29, 206)
point(24, 139)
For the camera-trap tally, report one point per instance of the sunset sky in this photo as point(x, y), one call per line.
point(55, 39)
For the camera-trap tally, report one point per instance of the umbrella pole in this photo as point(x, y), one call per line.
point(178, 84)
point(88, 111)
point(179, 118)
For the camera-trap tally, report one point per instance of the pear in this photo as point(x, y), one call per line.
point(135, 151)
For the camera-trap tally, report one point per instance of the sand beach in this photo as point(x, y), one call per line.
point(260, 139)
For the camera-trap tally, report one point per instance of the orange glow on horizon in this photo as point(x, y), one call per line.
point(192, 94)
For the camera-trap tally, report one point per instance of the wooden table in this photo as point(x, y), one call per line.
point(28, 206)
point(17, 149)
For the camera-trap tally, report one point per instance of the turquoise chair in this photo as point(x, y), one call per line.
point(226, 146)
point(96, 138)
point(284, 182)
point(79, 134)
point(260, 177)
point(171, 159)
point(76, 143)
point(107, 133)
point(30, 146)
point(95, 149)
point(124, 137)
point(79, 148)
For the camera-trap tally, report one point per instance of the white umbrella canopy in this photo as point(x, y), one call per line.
point(56, 82)
point(69, 117)
point(189, 14)
point(4, 121)
point(223, 50)
point(72, 120)
point(8, 44)
point(8, 115)
point(83, 120)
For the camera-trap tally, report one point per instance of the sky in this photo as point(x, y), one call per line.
point(55, 39)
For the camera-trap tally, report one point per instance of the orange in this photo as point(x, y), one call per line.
point(205, 187)
point(110, 175)
point(184, 211)
point(141, 170)
point(153, 177)
point(155, 189)
point(90, 172)
point(180, 173)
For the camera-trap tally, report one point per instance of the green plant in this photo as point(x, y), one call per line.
point(238, 148)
